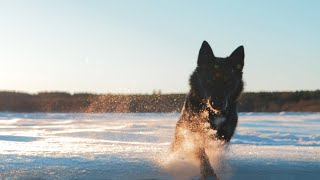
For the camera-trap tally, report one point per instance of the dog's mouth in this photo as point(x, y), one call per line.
point(217, 110)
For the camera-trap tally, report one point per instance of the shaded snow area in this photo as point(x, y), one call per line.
point(136, 146)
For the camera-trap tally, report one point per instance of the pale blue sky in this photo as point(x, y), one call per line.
point(140, 46)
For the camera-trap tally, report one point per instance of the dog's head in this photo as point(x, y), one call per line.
point(218, 81)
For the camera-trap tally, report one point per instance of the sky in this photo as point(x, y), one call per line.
point(138, 46)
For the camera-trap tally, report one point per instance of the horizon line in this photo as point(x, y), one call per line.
point(156, 92)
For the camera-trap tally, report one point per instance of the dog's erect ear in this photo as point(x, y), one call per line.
point(205, 54)
point(237, 58)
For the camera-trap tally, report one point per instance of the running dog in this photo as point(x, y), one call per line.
point(210, 109)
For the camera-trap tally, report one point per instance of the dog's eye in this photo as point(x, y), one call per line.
point(237, 69)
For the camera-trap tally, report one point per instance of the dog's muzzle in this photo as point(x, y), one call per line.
point(218, 113)
point(217, 107)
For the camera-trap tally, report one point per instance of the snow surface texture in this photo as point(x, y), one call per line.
point(135, 146)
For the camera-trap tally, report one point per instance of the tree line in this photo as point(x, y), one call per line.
point(298, 101)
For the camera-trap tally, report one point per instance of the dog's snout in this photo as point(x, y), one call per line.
point(218, 105)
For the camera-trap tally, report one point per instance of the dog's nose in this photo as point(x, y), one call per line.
point(218, 105)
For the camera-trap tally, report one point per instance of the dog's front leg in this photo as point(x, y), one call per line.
point(206, 171)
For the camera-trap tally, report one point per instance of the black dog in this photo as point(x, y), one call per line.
point(211, 105)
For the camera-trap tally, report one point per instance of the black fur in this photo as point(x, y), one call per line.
point(216, 84)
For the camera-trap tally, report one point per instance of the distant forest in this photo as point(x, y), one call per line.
point(303, 101)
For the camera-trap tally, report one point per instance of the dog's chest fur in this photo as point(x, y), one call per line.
point(216, 121)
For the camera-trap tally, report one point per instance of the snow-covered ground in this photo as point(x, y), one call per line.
point(135, 146)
